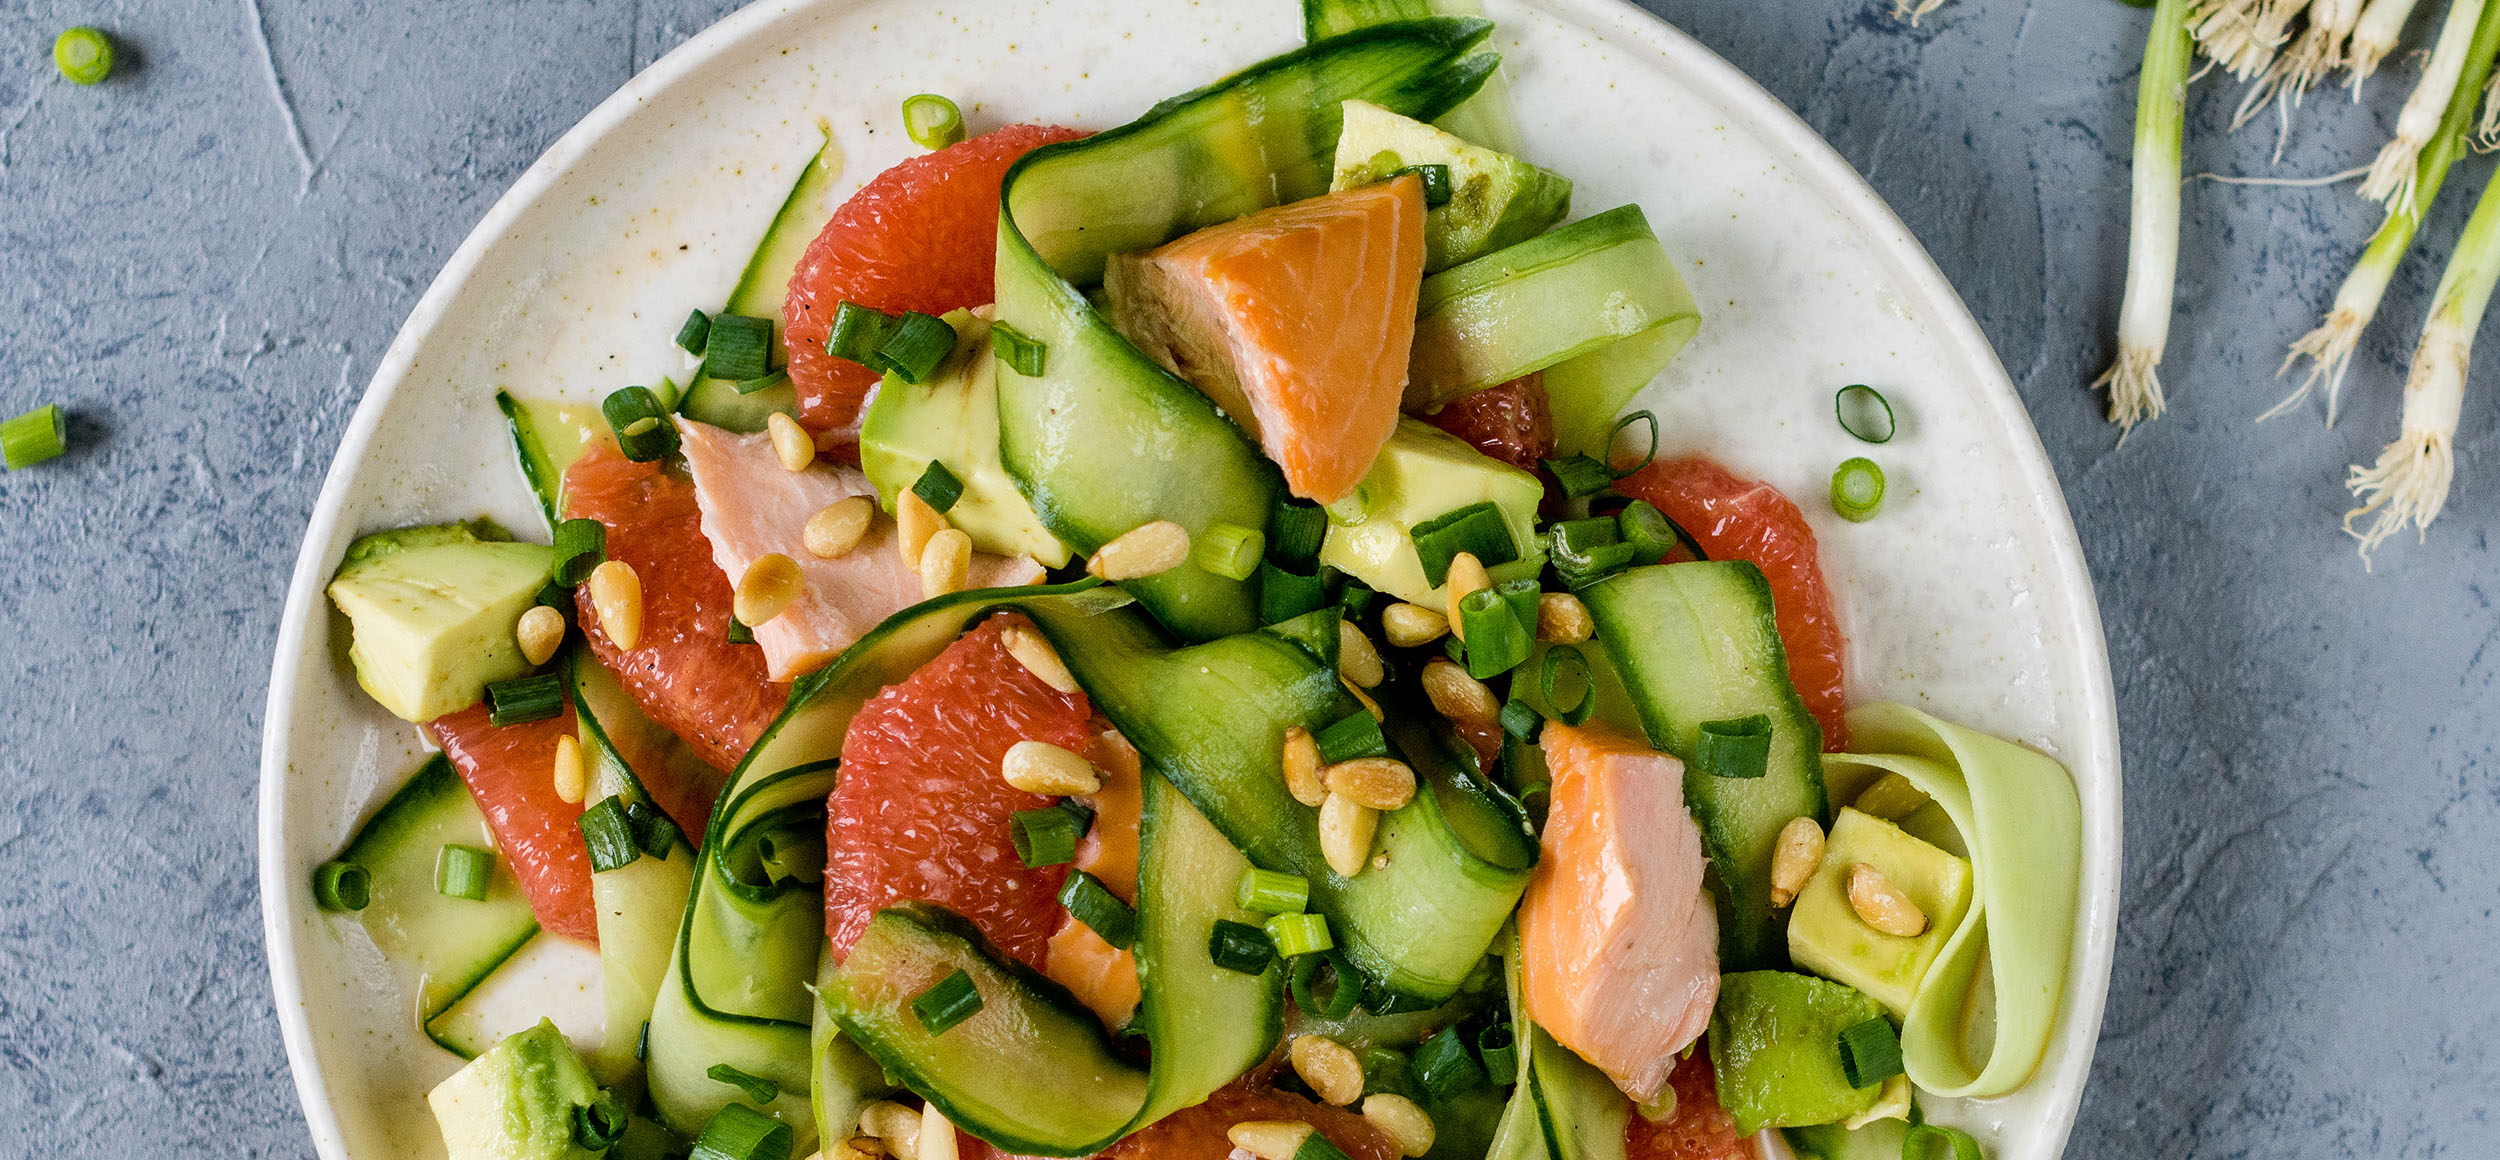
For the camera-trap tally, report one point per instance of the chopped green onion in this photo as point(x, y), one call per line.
point(695, 333)
point(1272, 892)
point(1436, 179)
point(1495, 641)
point(1317, 633)
point(1499, 1049)
point(560, 598)
point(1295, 531)
point(1357, 734)
point(1520, 719)
point(1522, 596)
point(1652, 535)
point(1445, 1067)
point(738, 1132)
point(1858, 490)
point(915, 346)
point(524, 699)
point(1346, 988)
point(610, 835)
point(765, 383)
point(1581, 476)
point(643, 431)
point(599, 1124)
point(1356, 599)
point(1864, 413)
point(1022, 354)
point(1739, 747)
point(1299, 934)
point(1230, 550)
point(1870, 1052)
point(342, 886)
point(581, 545)
point(33, 437)
point(1318, 1147)
point(1284, 595)
point(1044, 837)
point(1920, 1143)
point(939, 487)
point(738, 347)
point(947, 1002)
point(1648, 417)
point(1084, 814)
point(1560, 659)
point(1477, 528)
point(653, 831)
point(1239, 946)
point(1092, 903)
point(84, 55)
point(857, 330)
point(1580, 537)
point(1380, 1000)
point(739, 632)
point(1597, 566)
point(933, 121)
point(756, 1087)
point(462, 871)
point(1385, 1070)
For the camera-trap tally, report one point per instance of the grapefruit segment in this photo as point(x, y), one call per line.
point(1699, 1129)
point(510, 771)
point(1512, 422)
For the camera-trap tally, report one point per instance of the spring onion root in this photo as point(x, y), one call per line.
point(1912, 10)
point(2153, 219)
point(2318, 51)
point(2374, 37)
point(2391, 179)
point(2244, 35)
point(2487, 126)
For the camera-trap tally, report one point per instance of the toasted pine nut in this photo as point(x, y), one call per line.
point(1143, 550)
point(914, 522)
point(1466, 575)
point(771, 583)
point(1357, 661)
point(616, 595)
point(1381, 783)
point(1892, 798)
point(1269, 1139)
point(1369, 705)
point(1661, 1109)
point(945, 563)
point(1330, 1067)
point(937, 1136)
point(1456, 695)
point(1793, 861)
point(1562, 619)
point(839, 527)
point(1405, 1123)
point(1881, 905)
point(570, 782)
point(1302, 778)
point(895, 1127)
point(540, 634)
point(1032, 650)
point(791, 442)
point(854, 1148)
point(1043, 768)
point(1412, 625)
point(1346, 827)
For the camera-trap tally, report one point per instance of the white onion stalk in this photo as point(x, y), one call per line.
point(2153, 218)
point(2374, 37)
point(2391, 174)
point(2318, 51)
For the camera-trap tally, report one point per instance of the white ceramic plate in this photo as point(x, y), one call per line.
point(1967, 597)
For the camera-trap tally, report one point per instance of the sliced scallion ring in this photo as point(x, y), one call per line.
point(947, 1002)
point(1739, 747)
point(1567, 659)
point(1230, 550)
point(696, 331)
point(641, 424)
point(1580, 476)
point(1864, 413)
point(1858, 489)
point(84, 55)
point(1300, 934)
point(1272, 891)
point(1921, 1143)
point(342, 886)
point(1239, 946)
point(1649, 417)
point(1346, 989)
point(463, 871)
point(932, 120)
point(1499, 1049)
point(1357, 735)
point(738, 1132)
point(1092, 903)
point(756, 1087)
point(1022, 354)
point(939, 487)
point(33, 437)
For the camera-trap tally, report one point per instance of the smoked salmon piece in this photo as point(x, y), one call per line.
point(1100, 975)
point(1619, 943)
point(1296, 320)
point(754, 507)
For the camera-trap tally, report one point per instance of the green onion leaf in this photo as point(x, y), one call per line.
point(948, 1002)
point(1092, 903)
point(1496, 642)
point(1521, 595)
point(1652, 535)
point(1566, 660)
point(1345, 990)
point(1295, 531)
point(1739, 747)
point(857, 331)
point(1380, 1000)
point(84, 55)
point(1599, 563)
point(939, 487)
point(1499, 1049)
point(932, 121)
point(581, 545)
point(1436, 179)
point(524, 699)
point(914, 347)
point(462, 871)
point(1084, 814)
point(1318, 1147)
point(695, 333)
point(33, 437)
point(1578, 538)
point(1284, 595)
point(1272, 892)
point(1239, 946)
point(1355, 735)
point(599, 1124)
point(1520, 719)
point(1477, 528)
point(1356, 599)
point(1613, 436)
point(756, 1087)
point(1299, 934)
point(1581, 476)
point(1022, 354)
point(653, 831)
point(1445, 1067)
point(1870, 1052)
point(610, 835)
point(1920, 1143)
point(1230, 550)
point(1044, 837)
point(342, 886)
point(641, 424)
point(1864, 413)
point(1858, 489)
point(738, 347)
point(739, 632)
point(766, 383)
point(738, 1132)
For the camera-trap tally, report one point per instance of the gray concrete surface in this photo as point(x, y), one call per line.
point(205, 257)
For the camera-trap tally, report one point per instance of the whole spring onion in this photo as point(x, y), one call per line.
point(932, 120)
point(2243, 35)
point(2391, 180)
point(2373, 38)
point(2293, 73)
point(1858, 489)
point(33, 437)
point(2153, 219)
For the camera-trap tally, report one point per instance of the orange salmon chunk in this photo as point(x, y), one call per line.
point(1296, 320)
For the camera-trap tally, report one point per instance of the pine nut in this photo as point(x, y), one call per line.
point(945, 563)
point(1661, 1109)
point(1269, 1139)
point(1379, 783)
point(832, 532)
point(914, 522)
point(791, 442)
point(1456, 695)
point(1466, 575)
point(1043, 768)
point(1892, 798)
point(540, 634)
point(1357, 661)
point(896, 1128)
point(937, 1136)
point(1302, 778)
point(1032, 650)
point(1330, 1067)
point(1562, 619)
point(1345, 833)
point(854, 1148)
point(1144, 550)
point(1369, 705)
point(616, 595)
point(1405, 1123)
point(1881, 905)
point(1793, 861)
point(771, 583)
point(1412, 625)
point(570, 782)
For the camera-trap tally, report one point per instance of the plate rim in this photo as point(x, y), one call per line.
point(1747, 103)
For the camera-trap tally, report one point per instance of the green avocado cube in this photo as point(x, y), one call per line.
point(1826, 936)
point(432, 612)
point(1775, 1049)
point(1496, 200)
point(1422, 474)
point(518, 1101)
point(953, 419)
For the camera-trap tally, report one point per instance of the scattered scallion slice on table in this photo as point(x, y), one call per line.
point(1858, 489)
point(2382, 22)
point(84, 55)
point(932, 121)
point(33, 437)
point(2153, 218)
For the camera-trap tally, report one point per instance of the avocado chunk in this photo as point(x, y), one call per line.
point(1877, 1140)
point(953, 419)
point(1775, 1049)
point(518, 1101)
point(1826, 936)
point(432, 610)
point(1496, 200)
point(1422, 474)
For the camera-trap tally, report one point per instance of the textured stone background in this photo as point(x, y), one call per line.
point(204, 258)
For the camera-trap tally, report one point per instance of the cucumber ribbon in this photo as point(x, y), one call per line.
point(2016, 812)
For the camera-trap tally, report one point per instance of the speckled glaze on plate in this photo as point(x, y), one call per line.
point(1966, 597)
